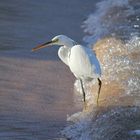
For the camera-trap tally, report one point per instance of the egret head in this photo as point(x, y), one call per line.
point(61, 40)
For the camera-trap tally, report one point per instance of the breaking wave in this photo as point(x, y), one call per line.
point(113, 31)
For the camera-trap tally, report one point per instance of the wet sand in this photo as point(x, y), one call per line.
point(36, 89)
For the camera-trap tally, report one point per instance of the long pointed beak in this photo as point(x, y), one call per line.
point(42, 46)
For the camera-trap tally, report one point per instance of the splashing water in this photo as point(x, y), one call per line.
point(115, 28)
point(119, 18)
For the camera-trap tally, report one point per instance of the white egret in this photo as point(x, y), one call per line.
point(81, 60)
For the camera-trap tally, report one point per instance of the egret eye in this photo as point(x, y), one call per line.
point(55, 40)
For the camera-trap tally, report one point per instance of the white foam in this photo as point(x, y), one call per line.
point(100, 24)
point(109, 18)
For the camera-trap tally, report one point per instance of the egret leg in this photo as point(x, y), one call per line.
point(100, 84)
point(83, 91)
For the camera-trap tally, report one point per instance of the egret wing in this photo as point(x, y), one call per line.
point(83, 63)
point(93, 59)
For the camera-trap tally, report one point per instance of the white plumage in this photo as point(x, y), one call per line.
point(81, 60)
point(81, 65)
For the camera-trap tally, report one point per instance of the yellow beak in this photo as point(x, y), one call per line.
point(42, 46)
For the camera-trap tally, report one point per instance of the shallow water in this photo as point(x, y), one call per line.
point(36, 89)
